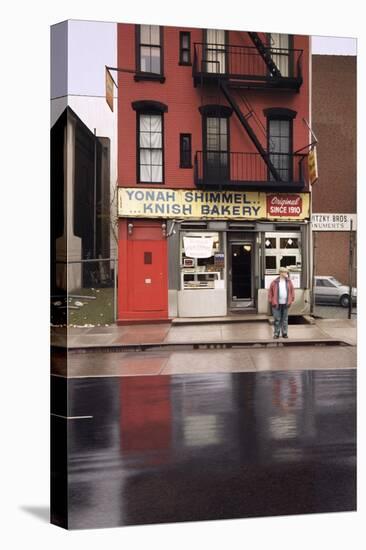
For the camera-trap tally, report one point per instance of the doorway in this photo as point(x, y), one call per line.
point(241, 274)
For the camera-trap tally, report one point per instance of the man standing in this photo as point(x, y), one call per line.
point(281, 294)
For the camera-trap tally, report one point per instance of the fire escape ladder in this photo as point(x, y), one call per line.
point(265, 54)
point(248, 128)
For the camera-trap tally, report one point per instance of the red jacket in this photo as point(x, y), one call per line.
point(274, 291)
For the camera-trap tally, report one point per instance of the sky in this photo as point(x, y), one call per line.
point(333, 45)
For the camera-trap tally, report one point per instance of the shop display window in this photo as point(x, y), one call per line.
point(202, 260)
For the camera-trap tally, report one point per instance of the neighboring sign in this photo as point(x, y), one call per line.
point(140, 202)
point(109, 87)
point(333, 222)
point(313, 166)
point(198, 247)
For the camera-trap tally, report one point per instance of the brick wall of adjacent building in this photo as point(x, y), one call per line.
point(334, 123)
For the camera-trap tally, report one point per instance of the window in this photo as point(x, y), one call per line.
point(150, 148)
point(185, 150)
point(334, 281)
point(270, 243)
point(279, 131)
point(282, 250)
point(271, 262)
point(287, 261)
point(185, 48)
point(215, 51)
point(289, 243)
point(328, 283)
point(216, 148)
point(147, 257)
point(281, 52)
point(205, 250)
point(280, 147)
point(149, 52)
point(149, 140)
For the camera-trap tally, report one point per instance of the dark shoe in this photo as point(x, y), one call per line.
point(284, 336)
point(275, 336)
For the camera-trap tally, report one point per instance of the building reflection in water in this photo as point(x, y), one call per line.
point(145, 413)
point(195, 447)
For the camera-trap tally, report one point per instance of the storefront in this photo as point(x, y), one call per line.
point(222, 249)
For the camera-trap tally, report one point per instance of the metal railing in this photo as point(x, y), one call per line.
point(244, 62)
point(215, 167)
point(84, 292)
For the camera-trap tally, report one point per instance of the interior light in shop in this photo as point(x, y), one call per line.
point(235, 254)
point(268, 242)
point(248, 247)
point(290, 241)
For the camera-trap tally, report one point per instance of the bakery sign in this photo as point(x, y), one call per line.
point(139, 202)
point(284, 205)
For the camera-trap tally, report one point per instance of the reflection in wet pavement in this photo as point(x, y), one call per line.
point(199, 447)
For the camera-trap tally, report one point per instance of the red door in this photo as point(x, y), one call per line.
point(142, 271)
point(147, 275)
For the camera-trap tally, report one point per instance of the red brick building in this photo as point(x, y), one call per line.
point(334, 123)
point(212, 170)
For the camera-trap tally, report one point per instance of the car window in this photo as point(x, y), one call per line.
point(335, 282)
point(319, 282)
point(328, 283)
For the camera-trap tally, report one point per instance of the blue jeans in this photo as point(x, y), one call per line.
point(280, 315)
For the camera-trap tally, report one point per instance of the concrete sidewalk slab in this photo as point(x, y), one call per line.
point(91, 364)
point(346, 329)
point(249, 333)
point(188, 334)
point(304, 358)
point(235, 318)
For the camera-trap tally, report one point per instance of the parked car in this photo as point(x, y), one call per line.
point(330, 291)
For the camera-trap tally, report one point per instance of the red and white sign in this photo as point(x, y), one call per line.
point(284, 205)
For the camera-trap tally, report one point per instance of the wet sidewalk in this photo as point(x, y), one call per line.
point(201, 362)
point(210, 334)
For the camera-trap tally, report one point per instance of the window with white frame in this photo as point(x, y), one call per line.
point(282, 250)
point(150, 147)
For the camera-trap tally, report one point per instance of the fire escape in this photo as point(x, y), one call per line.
point(228, 71)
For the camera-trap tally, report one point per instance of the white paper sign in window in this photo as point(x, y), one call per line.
point(198, 247)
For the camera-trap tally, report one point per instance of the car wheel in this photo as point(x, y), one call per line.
point(345, 300)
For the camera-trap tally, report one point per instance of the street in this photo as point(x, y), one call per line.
point(333, 312)
point(170, 423)
point(152, 449)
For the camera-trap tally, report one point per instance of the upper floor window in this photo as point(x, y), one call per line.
point(281, 52)
point(150, 148)
point(150, 140)
point(185, 48)
point(280, 140)
point(185, 150)
point(149, 52)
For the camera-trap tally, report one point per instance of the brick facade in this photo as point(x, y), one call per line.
point(334, 123)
